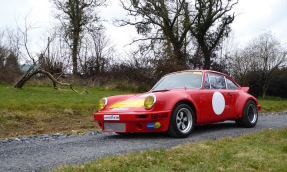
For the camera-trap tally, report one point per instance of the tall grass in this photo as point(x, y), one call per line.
point(41, 109)
point(273, 104)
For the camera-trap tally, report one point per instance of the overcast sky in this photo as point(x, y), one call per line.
point(253, 18)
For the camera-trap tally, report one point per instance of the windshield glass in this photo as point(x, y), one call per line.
point(179, 80)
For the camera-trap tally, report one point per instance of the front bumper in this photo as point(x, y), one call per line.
point(133, 122)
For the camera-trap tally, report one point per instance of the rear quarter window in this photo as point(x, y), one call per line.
point(231, 85)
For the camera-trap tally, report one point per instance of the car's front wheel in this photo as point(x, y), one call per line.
point(181, 121)
point(249, 116)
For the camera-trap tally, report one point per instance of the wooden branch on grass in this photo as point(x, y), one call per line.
point(55, 81)
point(32, 71)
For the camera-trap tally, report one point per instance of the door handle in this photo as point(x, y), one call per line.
point(229, 94)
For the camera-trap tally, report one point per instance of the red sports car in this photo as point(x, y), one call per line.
point(178, 102)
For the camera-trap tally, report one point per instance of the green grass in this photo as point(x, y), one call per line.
point(273, 104)
point(262, 151)
point(46, 98)
point(41, 109)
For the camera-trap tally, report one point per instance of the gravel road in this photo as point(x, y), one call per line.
point(36, 153)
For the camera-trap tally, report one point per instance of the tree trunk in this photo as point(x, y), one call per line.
point(179, 56)
point(206, 53)
point(75, 53)
point(264, 89)
point(177, 53)
point(206, 65)
point(27, 75)
point(207, 56)
point(33, 71)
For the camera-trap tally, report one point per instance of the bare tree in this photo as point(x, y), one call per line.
point(225, 54)
point(77, 16)
point(264, 55)
point(13, 40)
point(58, 53)
point(35, 67)
point(169, 21)
point(269, 56)
point(211, 23)
point(97, 50)
point(160, 21)
point(9, 56)
point(3, 54)
point(241, 66)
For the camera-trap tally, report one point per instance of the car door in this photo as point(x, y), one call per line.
point(233, 90)
point(216, 102)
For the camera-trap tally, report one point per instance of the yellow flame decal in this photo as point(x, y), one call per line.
point(128, 103)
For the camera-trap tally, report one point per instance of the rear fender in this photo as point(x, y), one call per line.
point(241, 101)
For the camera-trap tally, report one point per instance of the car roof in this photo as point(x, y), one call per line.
point(205, 71)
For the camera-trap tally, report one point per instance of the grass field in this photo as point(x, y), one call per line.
point(273, 104)
point(41, 109)
point(262, 151)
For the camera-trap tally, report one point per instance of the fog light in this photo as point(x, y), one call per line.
point(157, 125)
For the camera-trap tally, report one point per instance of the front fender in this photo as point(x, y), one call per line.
point(170, 100)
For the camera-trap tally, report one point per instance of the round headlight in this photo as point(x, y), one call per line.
point(102, 103)
point(149, 101)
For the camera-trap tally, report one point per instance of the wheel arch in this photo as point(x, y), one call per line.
point(190, 104)
point(241, 101)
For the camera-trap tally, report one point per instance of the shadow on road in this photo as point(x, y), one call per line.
point(197, 130)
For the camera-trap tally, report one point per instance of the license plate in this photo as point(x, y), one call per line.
point(112, 117)
point(116, 127)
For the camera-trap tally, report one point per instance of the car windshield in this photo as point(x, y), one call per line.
point(179, 80)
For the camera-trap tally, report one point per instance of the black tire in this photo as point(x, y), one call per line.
point(181, 121)
point(249, 116)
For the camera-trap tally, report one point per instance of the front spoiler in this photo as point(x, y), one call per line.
point(137, 122)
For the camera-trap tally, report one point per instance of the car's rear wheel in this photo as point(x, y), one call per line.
point(181, 121)
point(250, 115)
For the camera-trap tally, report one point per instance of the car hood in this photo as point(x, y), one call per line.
point(135, 102)
point(127, 103)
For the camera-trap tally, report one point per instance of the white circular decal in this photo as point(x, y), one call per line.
point(218, 103)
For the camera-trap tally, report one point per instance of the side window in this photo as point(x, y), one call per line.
point(206, 82)
point(217, 81)
point(231, 85)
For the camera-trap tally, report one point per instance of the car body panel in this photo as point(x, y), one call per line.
point(209, 106)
